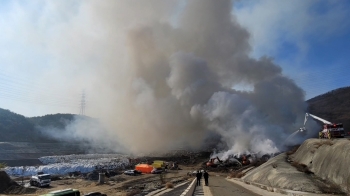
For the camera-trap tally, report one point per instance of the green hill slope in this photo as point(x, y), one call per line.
point(58, 121)
point(18, 128)
point(15, 127)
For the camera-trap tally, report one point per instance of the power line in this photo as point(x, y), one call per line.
point(30, 96)
point(82, 103)
point(32, 88)
point(26, 91)
point(34, 101)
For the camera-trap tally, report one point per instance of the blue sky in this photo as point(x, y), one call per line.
point(310, 40)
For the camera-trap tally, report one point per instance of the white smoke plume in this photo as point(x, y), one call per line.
point(162, 76)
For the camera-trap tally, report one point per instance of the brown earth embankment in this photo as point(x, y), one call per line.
point(8, 186)
point(318, 166)
point(327, 159)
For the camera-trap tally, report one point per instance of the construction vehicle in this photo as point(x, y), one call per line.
point(330, 130)
point(245, 159)
point(40, 180)
point(214, 162)
point(65, 192)
point(95, 194)
point(238, 161)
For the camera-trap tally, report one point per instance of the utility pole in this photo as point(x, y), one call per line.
point(82, 104)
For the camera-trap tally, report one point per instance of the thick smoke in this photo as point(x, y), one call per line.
point(83, 131)
point(166, 75)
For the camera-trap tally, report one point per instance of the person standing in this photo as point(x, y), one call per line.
point(206, 178)
point(199, 176)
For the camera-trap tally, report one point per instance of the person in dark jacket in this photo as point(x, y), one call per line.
point(206, 178)
point(199, 176)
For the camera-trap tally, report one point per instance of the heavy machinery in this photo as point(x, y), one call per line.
point(238, 161)
point(40, 180)
point(65, 192)
point(213, 162)
point(330, 130)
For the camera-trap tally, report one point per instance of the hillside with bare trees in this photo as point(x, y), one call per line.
point(333, 106)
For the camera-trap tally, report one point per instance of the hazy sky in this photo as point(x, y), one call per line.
point(50, 51)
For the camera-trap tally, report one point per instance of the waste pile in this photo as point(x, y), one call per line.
point(178, 156)
point(69, 158)
point(61, 165)
point(237, 161)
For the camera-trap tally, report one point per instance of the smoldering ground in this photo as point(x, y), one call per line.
point(160, 75)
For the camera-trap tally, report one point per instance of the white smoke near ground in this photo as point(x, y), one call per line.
point(161, 77)
point(82, 130)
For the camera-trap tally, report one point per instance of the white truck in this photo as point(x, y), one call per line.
point(40, 180)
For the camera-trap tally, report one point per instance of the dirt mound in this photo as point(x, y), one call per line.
point(117, 179)
point(318, 166)
point(92, 176)
point(277, 172)
point(6, 182)
point(327, 159)
point(9, 186)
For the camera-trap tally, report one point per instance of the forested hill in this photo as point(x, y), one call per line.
point(333, 106)
point(17, 128)
point(52, 120)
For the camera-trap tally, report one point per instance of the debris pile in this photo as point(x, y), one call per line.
point(117, 179)
point(184, 157)
point(8, 186)
point(69, 158)
point(92, 175)
point(235, 162)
